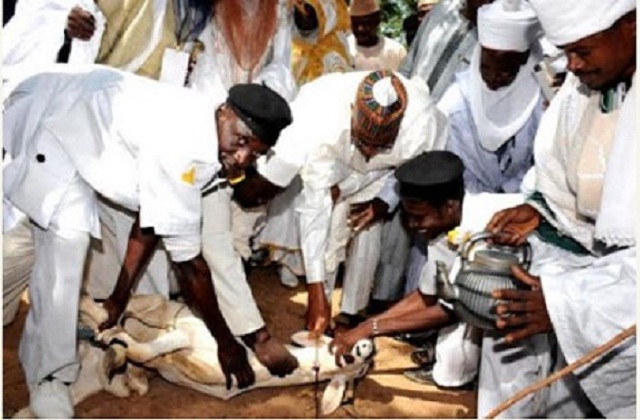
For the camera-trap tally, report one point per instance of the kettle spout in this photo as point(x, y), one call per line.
point(445, 289)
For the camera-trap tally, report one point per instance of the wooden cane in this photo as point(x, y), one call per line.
point(593, 354)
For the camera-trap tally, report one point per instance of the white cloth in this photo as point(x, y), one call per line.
point(507, 25)
point(128, 156)
point(387, 54)
point(444, 44)
point(485, 170)
point(589, 298)
point(86, 52)
point(216, 69)
point(337, 161)
point(568, 21)
point(565, 128)
point(499, 114)
point(18, 256)
point(237, 305)
point(48, 343)
point(616, 219)
point(31, 39)
point(327, 158)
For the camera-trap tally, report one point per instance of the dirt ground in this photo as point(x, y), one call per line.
point(384, 393)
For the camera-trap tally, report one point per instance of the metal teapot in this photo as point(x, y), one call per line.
point(488, 270)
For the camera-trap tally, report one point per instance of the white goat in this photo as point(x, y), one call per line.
point(167, 337)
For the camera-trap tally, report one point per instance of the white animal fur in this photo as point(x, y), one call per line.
point(167, 337)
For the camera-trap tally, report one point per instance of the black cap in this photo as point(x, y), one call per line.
point(264, 111)
point(432, 176)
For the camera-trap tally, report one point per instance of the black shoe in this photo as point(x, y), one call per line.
point(424, 375)
point(425, 355)
point(418, 339)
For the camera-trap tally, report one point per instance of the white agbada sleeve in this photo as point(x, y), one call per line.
point(588, 306)
point(323, 170)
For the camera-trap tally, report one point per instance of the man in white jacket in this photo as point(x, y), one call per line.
point(77, 138)
point(580, 221)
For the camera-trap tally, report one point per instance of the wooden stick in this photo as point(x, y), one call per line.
point(597, 352)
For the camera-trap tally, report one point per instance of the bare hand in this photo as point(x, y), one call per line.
point(318, 310)
point(80, 24)
point(344, 341)
point(114, 312)
point(525, 311)
point(512, 226)
point(363, 215)
point(233, 361)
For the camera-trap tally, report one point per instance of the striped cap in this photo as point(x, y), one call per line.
point(380, 104)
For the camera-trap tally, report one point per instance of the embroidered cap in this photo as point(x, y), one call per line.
point(264, 111)
point(380, 104)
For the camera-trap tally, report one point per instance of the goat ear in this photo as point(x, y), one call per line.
point(333, 394)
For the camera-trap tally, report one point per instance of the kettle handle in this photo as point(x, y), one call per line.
point(468, 244)
point(483, 236)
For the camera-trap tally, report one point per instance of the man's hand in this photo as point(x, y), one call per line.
point(80, 24)
point(363, 215)
point(114, 310)
point(233, 361)
point(512, 226)
point(524, 312)
point(318, 310)
point(344, 341)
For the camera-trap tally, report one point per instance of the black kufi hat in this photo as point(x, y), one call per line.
point(263, 110)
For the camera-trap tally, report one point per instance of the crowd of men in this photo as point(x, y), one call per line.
point(158, 147)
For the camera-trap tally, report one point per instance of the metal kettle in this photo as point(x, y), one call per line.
point(488, 270)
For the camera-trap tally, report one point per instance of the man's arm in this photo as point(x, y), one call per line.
point(140, 248)
point(415, 312)
point(195, 282)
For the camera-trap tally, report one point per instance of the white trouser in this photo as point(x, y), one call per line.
point(457, 355)
point(360, 267)
point(244, 224)
point(229, 280)
point(48, 344)
point(18, 256)
point(508, 369)
point(388, 283)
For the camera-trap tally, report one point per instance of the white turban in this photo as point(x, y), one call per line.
point(507, 25)
point(567, 21)
point(363, 7)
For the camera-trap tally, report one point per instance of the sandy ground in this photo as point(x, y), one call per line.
point(384, 393)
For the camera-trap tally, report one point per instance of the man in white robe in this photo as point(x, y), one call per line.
point(76, 138)
point(495, 106)
point(370, 50)
point(581, 221)
point(345, 144)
